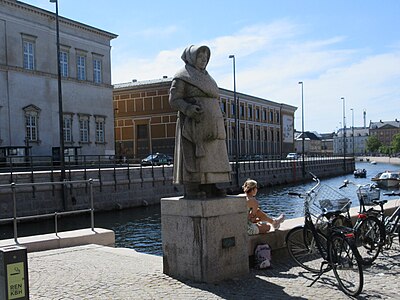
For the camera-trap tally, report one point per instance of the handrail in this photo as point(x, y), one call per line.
point(14, 186)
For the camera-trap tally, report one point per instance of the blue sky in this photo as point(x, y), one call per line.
point(341, 48)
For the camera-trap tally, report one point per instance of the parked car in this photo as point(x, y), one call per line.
point(157, 159)
point(293, 156)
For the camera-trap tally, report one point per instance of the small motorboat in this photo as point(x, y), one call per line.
point(387, 179)
point(360, 173)
point(373, 162)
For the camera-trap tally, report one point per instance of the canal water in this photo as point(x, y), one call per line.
point(140, 228)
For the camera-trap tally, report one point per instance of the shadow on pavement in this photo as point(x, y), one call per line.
point(254, 286)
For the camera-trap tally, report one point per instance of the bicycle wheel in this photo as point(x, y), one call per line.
point(346, 267)
point(370, 235)
point(389, 236)
point(398, 231)
point(392, 229)
point(303, 249)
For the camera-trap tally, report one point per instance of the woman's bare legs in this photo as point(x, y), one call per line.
point(262, 216)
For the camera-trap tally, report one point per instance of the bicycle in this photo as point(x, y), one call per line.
point(391, 223)
point(368, 228)
point(319, 247)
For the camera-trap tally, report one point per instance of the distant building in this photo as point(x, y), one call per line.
point(327, 143)
point(384, 130)
point(332, 143)
point(312, 143)
point(29, 111)
point(355, 141)
point(351, 142)
point(145, 123)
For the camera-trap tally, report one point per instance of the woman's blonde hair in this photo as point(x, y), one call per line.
point(249, 184)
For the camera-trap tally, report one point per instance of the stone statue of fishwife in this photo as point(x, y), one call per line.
point(201, 158)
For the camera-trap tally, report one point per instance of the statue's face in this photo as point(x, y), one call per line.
point(201, 60)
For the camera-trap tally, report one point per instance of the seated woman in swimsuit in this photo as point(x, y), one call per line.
point(257, 220)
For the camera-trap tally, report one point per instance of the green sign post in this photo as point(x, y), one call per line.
point(14, 283)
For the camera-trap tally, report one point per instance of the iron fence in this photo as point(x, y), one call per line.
point(14, 186)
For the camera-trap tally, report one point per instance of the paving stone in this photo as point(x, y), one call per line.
point(98, 272)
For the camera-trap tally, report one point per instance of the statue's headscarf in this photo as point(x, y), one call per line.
point(199, 78)
point(189, 55)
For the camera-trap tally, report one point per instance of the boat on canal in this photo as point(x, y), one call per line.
point(360, 173)
point(387, 179)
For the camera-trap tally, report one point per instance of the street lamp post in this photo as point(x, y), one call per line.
point(344, 133)
point(236, 102)
point(352, 128)
point(302, 130)
point(60, 105)
point(118, 152)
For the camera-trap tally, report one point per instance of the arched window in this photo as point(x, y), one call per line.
point(100, 129)
point(31, 113)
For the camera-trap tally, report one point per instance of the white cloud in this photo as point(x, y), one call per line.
point(251, 40)
point(272, 58)
point(368, 84)
point(157, 32)
point(166, 63)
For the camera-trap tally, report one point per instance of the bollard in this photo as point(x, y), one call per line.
point(14, 273)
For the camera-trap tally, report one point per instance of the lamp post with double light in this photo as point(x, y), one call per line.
point(60, 105)
point(302, 130)
point(352, 128)
point(236, 104)
point(344, 133)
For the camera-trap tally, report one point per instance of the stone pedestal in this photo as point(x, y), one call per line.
point(204, 240)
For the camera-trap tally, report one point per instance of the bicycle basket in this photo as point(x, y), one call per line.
point(367, 194)
point(328, 199)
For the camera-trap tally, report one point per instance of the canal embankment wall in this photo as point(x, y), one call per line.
point(381, 159)
point(125, 187)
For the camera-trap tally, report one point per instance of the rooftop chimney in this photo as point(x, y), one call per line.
point(365, 118)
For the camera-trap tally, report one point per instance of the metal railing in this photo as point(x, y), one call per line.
point(103, 164)
point(13, 186)
point(89, 162)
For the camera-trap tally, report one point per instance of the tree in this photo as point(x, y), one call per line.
point(396, 143)
point(385, 150)
point(373, 143)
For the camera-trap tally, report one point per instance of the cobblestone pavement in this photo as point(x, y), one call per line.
point(98, 272)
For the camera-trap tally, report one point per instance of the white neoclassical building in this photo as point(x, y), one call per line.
point(29, 110)
point(353, 142)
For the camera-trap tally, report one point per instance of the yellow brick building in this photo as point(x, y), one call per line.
point(145, 122)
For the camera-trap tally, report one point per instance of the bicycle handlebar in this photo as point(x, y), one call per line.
point(305, 195)
point(346, 182)
point(393, 193)
point(314, 177)
point(294, 194)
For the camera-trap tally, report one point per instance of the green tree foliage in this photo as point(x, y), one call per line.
point(373, 143)
point(385, 149)
point(396, 143)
